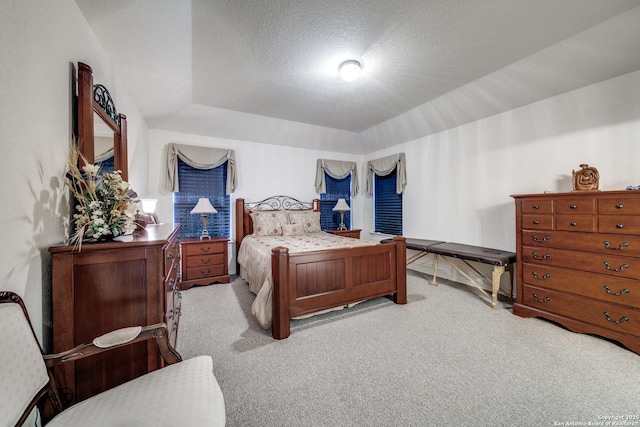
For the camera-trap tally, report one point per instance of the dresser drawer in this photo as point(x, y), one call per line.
point(538, 222)
point(623, 224)
point(578, 206)
point(205, 260)
point(622, 205)
point(599, 286)
point(586, 223)
point(171, 255)
point(611, 316)
point(537, 206)
point(610, 244)
point(206, 271)
point(615, 266)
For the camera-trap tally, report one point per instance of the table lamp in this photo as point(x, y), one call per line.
point(204, 207)
point(341, 207)
point(149, 208)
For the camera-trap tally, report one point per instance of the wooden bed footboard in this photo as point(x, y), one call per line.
point(309, 282)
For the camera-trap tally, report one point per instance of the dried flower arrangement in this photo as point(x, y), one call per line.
point(105, 203)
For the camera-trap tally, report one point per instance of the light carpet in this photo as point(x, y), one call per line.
point(444, 359)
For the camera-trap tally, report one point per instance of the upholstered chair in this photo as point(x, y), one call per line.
point(184, 393)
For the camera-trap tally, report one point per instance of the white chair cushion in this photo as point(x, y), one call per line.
point(183, 394)
point(22, 370)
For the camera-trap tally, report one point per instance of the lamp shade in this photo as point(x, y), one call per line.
point(149, 205)
point(204, 206)
point(341, 206)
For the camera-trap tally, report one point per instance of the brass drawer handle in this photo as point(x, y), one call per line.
point(205, 261)
point(573, 207)
point(536, 207)
point(206, 250)
point(618, 294)
point(535, 221)
point(608, 267)
point(544, 239)
point(573, 224)
point(621, 246)
point(543, 257)
point(541, 301)
point(619, 206)
point(621, 320)
point(545, 277)
point(619, 225)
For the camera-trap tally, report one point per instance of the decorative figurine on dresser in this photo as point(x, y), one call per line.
point(586, 179)
point(578, 261)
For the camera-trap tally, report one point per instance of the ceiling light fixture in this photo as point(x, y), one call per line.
point(350, 70)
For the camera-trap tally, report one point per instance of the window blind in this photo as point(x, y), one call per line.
point(387, 205)
point(196, 183)
point(336, 189)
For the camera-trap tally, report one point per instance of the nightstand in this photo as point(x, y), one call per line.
point(355, 234)
point(204, 261)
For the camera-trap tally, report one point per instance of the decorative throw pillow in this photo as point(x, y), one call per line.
point(310, 220)
point(268, 223)
point(292, 229)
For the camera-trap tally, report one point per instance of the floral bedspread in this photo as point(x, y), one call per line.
point(254, 258)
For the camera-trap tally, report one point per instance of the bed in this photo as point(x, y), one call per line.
point(306, 280)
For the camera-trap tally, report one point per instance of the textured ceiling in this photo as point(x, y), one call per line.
point(183, 61)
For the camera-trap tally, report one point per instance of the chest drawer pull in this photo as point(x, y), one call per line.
point(622, 292)
point(536, 207)
point(544, 239)
point(573, 224)
point(205, 260)
point(535, 221)
point(545, 277)
point(621, 320)
point(608, 267)
point(621, 246)
point(619, 225)
point(619, 206)
point(541, 301)
point(205, 250)
point(536, 256)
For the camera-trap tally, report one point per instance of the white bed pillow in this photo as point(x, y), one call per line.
point(309, 219)
point(268, 223)
point(292, 229)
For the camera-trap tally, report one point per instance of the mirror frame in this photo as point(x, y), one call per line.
point(96, 98)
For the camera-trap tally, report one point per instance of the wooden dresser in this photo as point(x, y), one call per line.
point(113, 285)
point(579, 262)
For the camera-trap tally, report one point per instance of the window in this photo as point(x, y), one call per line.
point(387, 205)
point(336, 189)
point(196, 183)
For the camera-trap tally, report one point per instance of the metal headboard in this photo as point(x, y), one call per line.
point(275, 203)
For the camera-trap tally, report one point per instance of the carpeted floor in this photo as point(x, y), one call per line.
point(444, 359)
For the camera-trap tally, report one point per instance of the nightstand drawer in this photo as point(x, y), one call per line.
point(205, 260)
point(206, 271)
point(204, 247)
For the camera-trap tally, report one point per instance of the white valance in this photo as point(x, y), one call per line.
point(200, 158)
point(383, 167)
point(337, 169)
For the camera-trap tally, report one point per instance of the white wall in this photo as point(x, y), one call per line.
point(460, 180)
point(39, 42)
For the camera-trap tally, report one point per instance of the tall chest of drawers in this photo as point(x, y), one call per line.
point(107, 286)
point(578, 262)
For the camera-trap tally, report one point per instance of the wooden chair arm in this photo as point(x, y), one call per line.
point(159, 332)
